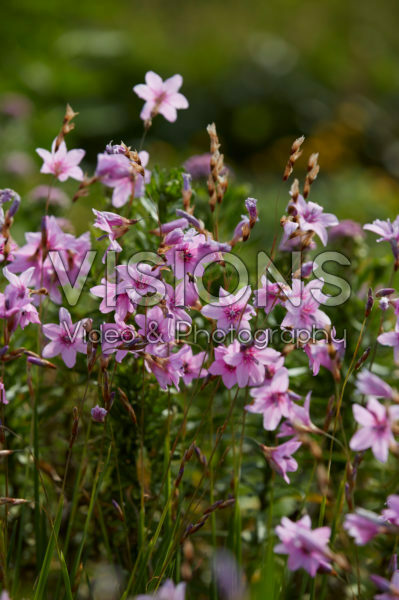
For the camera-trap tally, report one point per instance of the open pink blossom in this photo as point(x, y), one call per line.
point(387, 230)
point(191, 364)
point(61, 163)
point(117, 172)
point(280, 457)
point(161, 97)
point(114, 226)
point(306, 548)
point(222, 368)
point(164, 365)
point(66, 339)
point(375, 432)
point(114, 297)
point(232, 311)
point(299, 419)
point(303, 306)
point(168, 591)
point(391, 338)
point(270, 294)
point(155, 327)
point(312, 217)
point(272, 400)
point(251, 362)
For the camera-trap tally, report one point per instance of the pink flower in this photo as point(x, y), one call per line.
point(114, 298)
point(168, 591)
point(66, 339)
point(161, 96)
point(390, 588)
point(388, 231)
point(299, 420)
point(139, 280)
point(303, 306)
point(3, 397)
point(270, 294)
point(15, 303)
point(391, 514)
point(118, 337)
point(61, 163)
point(313, 218)
point(280, 458)
point(165, 366)
point(98, 414)
point(272, 400)
point(306, 548)
point(191, 365)
point(376, 428)
point(363, 526)
point(232, 311)
point(250, 362)
point(319, 353)
point(114, 226)
point(391, 338)
point(155, 327)
point(221, 367)
point(117, 172)
point(371, 385)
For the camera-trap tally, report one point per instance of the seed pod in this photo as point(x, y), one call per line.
point(369, 303)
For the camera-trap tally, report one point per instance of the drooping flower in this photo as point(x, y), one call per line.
point(154, 327)
point(376, 428)
point(346, 228)
point(391, 514)
point(161, 97)
point(390, 588)
point(270, 294)
point(280, 457)
point(168, 591)
point(299, 420)
point(98, 414)
point(363, 525)
point(370, 384)
point(66, 339)
point(114, 226)
point(272, 400)
point(164, 365)
point(232, 311)
point(306, 548)
point(391, 338)
point(114, 297)
point(61, 162)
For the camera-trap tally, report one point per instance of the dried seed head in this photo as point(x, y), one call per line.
point(295, 153)
point(313, 171)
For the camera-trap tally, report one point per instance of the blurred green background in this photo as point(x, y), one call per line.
point(265, 72)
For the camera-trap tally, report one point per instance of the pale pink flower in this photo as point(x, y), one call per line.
point(232, 311)
point(154, 327)
point(222, 368)
point(375, 432)
point(117, 172)
point(313, 218)
point(161, 97)
point(191, 364)
point(391, 514)
point(168, 591)
point(118, 337)
point(251, 362)
point(391, 338)
point(306, 548)
point(272, 400)
point(114, 297)
point(61, 163)
point(363, 525)
point(66, 339)
point(371, 385)
point(270, 294)
point(164, 365)
point(280, 457)
point(303, 306)
point(390, 588)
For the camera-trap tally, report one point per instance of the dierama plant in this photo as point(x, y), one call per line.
point(152, 439)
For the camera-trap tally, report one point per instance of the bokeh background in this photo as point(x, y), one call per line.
point(265, 72)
